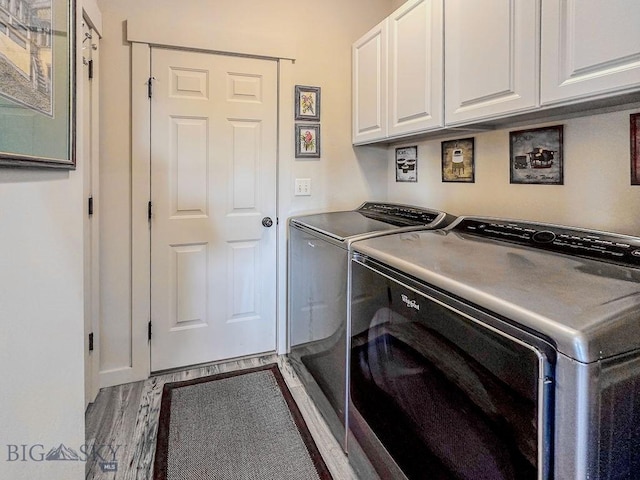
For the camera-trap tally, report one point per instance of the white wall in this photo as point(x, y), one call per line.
point(42, 315)
point(323, 34)
point(41, 310)
point(596, 193)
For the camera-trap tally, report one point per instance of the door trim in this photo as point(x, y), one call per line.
point(140, 226)
point(165, 32)
point(91, 180)
point(139, 367)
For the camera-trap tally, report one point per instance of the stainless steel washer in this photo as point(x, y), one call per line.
point(318, 260)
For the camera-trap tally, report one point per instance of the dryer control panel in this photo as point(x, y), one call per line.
point(609, 247)
point(400, 215)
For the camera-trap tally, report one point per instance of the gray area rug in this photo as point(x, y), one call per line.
point(236, 426)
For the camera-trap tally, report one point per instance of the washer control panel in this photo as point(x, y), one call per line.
point(614, 248)
point(400, 215)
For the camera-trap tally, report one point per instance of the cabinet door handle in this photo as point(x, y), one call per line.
point(312, 245)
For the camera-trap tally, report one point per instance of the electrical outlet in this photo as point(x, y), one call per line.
point(303, 187)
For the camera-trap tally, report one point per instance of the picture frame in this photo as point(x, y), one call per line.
point(407, 164)
point(307, 100)
point(307, 140)
point(458, 160)
point(37, 97)
point(536, 157)
point(634, 125)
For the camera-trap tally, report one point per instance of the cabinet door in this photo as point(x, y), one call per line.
point(369, 56)
point(491, 58)
point(415, 67)
point(589, 48)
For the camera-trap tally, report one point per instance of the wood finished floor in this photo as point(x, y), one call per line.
point(124, 420)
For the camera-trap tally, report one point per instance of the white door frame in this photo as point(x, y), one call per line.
point(92, 17)
point(141, 36)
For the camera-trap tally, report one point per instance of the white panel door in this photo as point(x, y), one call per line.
point(589, 48)
point(213, 180)
point(369, 57)
point(415, 67)
point(491, 58)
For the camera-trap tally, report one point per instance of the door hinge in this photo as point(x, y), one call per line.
point(90, 65)
point(90, 206)
point(91, 342)
point(150, 86)
point(149, 210)
point(149, 331)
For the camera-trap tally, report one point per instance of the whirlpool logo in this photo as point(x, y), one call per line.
point(410, 303)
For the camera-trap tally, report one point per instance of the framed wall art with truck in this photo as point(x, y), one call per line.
point(535, 156)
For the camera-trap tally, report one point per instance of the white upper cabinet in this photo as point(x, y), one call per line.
point(590, 48)
point(397, 74)
point(478, 61)
point(369, 57)
point(491, 58)
point(415, 68)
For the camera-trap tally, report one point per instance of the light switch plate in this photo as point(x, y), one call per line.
point(302, 187)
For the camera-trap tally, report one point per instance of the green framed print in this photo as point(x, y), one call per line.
point(37, 97)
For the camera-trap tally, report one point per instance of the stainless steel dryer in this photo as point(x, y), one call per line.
point(318, 261)
point(497, 349)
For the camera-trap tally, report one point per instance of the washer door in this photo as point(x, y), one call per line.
point(446, 394)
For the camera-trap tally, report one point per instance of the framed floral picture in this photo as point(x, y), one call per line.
point(307, 103)
point(307, 140)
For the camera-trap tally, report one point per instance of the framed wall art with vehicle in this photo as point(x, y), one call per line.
point(535, 156)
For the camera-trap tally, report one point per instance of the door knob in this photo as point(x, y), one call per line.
point(267, 222)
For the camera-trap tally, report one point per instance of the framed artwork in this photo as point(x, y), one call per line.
point(407, 164)
point(307, 140)
point(635, 148)
point(458, 161)
point(307, 103)
point(37, 103)
point(535, 156)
